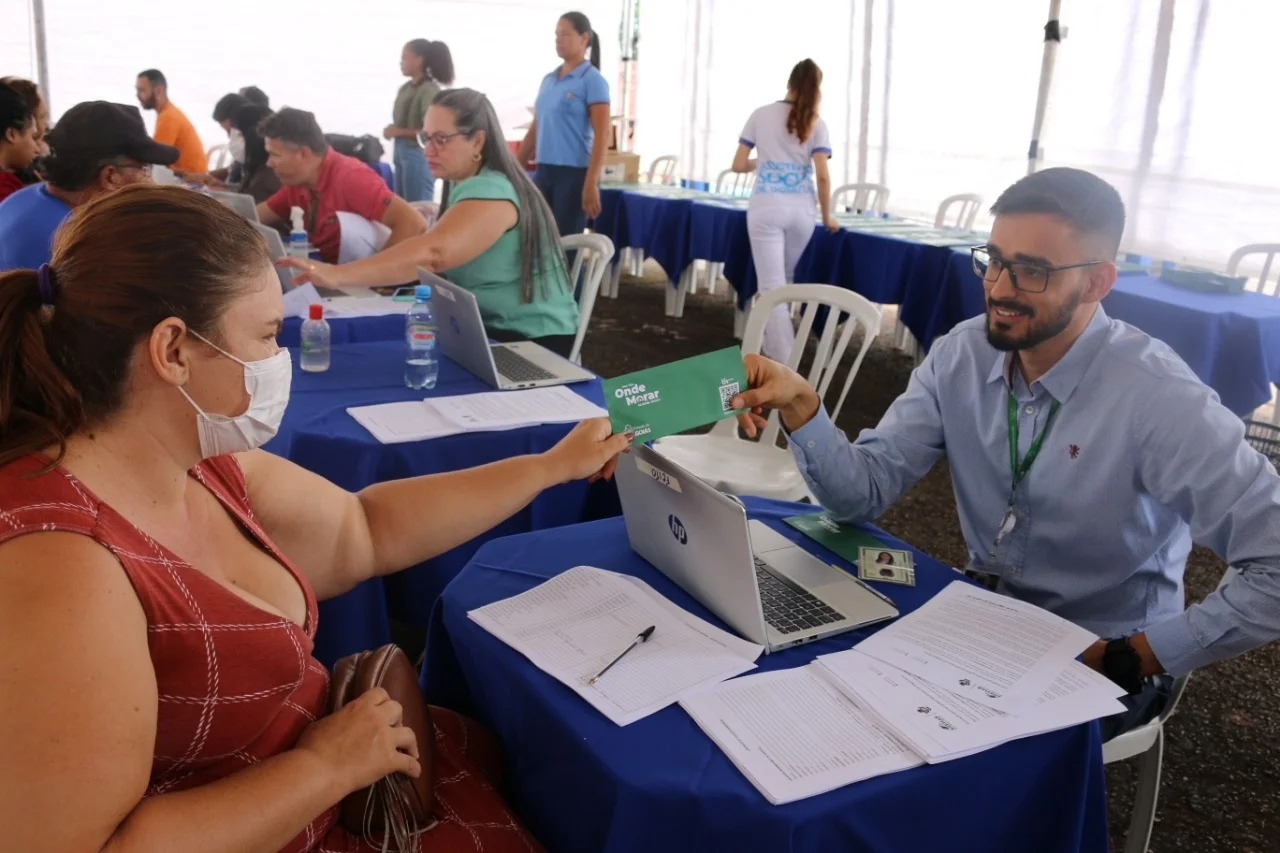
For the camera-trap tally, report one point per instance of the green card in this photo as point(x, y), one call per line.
point(674, 397)
point(844, 539)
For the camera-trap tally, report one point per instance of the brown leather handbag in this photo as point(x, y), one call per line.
point(397, 808)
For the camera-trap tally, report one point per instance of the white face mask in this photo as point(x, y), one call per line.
point(235, 145)
point(267, 382)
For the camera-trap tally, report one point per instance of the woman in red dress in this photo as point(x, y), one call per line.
point(159, 574)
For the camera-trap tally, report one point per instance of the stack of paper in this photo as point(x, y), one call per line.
point(940, 725)
point(419, 420)
point(793, 733)
point(966, 672)
point(574, 624)
point(990, 648)
point(298, 301)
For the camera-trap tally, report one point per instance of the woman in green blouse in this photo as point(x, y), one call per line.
point(496, 237)
point(429, 67)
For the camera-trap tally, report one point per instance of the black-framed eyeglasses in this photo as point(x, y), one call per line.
point(438, 140)
point(1027, 277)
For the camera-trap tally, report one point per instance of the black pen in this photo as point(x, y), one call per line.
point(643, 636)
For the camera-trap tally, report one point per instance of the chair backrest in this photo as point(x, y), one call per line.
point(219, 156)
point(730, 182)
point(861, 197)
point(663, 169)
point(846, 311)
point(967, 206)
point(594, 252)
point(1270, 250)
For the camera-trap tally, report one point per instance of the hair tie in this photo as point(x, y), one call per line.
point(46, 284)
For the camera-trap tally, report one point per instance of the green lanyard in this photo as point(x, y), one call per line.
point(1020, 469)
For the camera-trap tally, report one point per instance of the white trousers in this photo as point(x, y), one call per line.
point(779, 234)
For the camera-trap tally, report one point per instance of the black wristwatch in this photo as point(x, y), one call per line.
point(1120, 663)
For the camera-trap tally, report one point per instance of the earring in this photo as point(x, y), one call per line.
point(476, 157)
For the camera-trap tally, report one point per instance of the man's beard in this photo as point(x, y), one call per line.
point(1036, 333)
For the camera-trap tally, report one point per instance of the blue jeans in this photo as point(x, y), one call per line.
point(562, 188)
point(413, 176)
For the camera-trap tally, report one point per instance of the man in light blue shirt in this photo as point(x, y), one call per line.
point(1086, 456)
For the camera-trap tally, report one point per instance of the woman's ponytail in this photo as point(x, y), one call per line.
point(804, 83)
point(39, 407)
point(595, 49)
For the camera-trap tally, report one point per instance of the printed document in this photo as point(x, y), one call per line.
point(793, 734)
point(574, 624)
point(941, 725)
point(989, 648)
point(503, 410)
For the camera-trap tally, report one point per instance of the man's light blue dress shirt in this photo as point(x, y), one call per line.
point(1140, 461)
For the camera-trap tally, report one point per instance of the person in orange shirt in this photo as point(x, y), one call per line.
point(172, 125)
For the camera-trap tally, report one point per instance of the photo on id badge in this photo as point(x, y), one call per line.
point(886, 564)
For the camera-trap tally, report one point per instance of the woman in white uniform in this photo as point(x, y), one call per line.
point(792, 147)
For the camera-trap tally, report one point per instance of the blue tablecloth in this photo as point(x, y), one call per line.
point(319, 435)
point(1231, 341)
point(883, 268)
point(348, 330)
point(584, 785)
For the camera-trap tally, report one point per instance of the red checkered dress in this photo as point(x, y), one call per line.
point(237, 684)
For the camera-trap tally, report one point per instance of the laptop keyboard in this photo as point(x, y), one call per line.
point(789, 609)
point(517, 368)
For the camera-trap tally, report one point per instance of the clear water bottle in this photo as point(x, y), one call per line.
point(421, 364)
point(315, 341)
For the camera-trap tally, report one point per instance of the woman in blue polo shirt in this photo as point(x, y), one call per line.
point(570, 130)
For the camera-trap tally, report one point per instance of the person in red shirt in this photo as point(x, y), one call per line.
point(19, 140)
point(324, 183)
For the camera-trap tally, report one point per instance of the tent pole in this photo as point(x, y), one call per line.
point(42, 52)
point(1052, 38)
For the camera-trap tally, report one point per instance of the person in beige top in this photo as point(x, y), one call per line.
point(429, 67)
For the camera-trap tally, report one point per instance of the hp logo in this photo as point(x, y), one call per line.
point(677, 529)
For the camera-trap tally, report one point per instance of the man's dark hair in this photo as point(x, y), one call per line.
point(227, 105)
point(155, 77)
point(295, 127)
point(71, 172)
point(256, 96)
point(1090, 205)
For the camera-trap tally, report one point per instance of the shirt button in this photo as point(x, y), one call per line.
point(810, 444)
point(1030, 411)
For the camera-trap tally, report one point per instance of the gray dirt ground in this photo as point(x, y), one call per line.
point(1221, 786)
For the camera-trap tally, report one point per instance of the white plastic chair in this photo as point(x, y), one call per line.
point(968, 206)
point(1270, 250)
point(219, 156)
point(861, 197)
point(728, 182)
point(734, 183)
point(663, 169)
point(594, 252)
point(1147, 743)
point(743, 467)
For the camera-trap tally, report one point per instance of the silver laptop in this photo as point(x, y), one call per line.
point(764, 586)
point(239, 202)
point(275, 248)
point(462, 338)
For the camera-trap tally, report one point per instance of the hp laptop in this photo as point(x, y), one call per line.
point(275, 248)
point(767, 588)
point(462, 338)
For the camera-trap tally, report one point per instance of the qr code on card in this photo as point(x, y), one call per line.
point(728, 391)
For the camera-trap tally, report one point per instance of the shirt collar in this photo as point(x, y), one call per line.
point(1062, 379)
point(327, 165)
point(577, 72)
